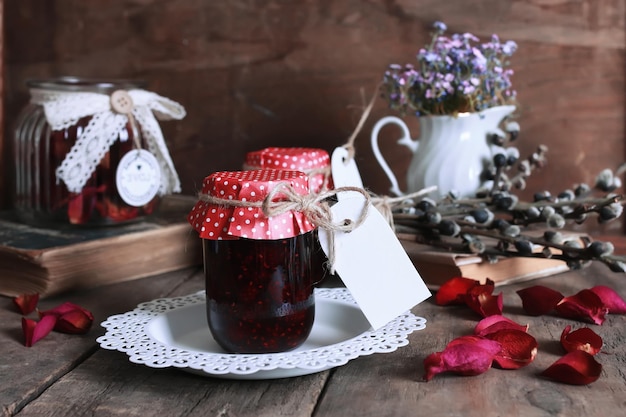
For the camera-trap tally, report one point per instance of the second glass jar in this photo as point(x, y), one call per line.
point(40, 198)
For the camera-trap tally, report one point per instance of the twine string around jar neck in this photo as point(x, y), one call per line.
point(314, 206)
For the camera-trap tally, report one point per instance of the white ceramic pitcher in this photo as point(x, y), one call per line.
point(451, 153)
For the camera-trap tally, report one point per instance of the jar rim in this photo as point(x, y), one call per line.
point(82, 84)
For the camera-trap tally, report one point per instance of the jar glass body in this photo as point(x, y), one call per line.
point(260, 292)
point(39, 197)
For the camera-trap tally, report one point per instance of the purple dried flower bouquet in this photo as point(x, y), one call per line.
point(453, 75)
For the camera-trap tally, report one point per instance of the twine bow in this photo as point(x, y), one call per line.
point(314, 206)
point(65, 109)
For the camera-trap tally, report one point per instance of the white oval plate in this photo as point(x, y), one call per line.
point(173, 332)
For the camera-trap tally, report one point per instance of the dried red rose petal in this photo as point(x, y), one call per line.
point(583, 339)
point(611, 299)
point(518, 348)
point(465, 355)
point(119, 212)
point(494, 323)
point(575, 368)
point(71, 318)
point(453, 291)
point(538, 300)
point(34, 331)
point(61, 309)
point(74, 322)
point(26, 303)
point(585, 305)
point(81, 206)
point(480, 299)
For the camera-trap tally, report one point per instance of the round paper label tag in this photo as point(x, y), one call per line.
point(138, 177)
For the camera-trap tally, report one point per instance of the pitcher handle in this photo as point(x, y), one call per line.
point(404, 140)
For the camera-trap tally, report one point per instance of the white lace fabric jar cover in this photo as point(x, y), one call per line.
point(92, 118)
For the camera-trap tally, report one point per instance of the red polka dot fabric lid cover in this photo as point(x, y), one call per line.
point(214, 221)
point(294, 159)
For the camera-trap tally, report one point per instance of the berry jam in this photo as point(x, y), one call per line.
point(260, 292)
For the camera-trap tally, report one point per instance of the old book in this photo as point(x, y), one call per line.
point(437, 266)
point(49, 261)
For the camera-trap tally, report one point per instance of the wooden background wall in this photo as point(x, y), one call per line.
point(263, 73)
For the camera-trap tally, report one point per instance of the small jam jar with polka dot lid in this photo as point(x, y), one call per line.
point(259, 269)
point(313, 162)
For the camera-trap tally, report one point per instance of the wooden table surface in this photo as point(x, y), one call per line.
point(69, 375)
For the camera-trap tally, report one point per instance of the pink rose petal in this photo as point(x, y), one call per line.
point(465, 355)
point(584, 305)
point(583, 339)
point(35, 331)
point(491, 324)
point(611, 299)
point(71, 318)
point(61, 309)
point(575, 368)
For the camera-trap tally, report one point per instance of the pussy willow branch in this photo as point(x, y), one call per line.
point(574, 256)
point(451, 224)
point(515, 215)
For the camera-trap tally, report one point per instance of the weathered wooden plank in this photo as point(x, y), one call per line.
point(105, 383)
point(108, 384)
point(26, 372)
point(390, 385)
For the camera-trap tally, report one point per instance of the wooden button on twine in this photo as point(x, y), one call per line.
point(121, 102)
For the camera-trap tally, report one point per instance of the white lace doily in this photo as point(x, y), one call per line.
point(172, 332)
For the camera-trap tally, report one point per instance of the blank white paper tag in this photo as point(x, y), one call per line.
point(372, 263)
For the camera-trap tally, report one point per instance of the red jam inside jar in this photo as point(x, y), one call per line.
point(260, 264)
point(314, 162)
point(260, 293)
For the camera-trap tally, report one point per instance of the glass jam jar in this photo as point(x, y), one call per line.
point(313, 162)
point(258, 269)
point(40, 197)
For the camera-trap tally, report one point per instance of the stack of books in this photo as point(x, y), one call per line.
point(52, 260)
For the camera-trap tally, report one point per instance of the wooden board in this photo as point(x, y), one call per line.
point(58, 353)
point(57, 258)
point(68, 375)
